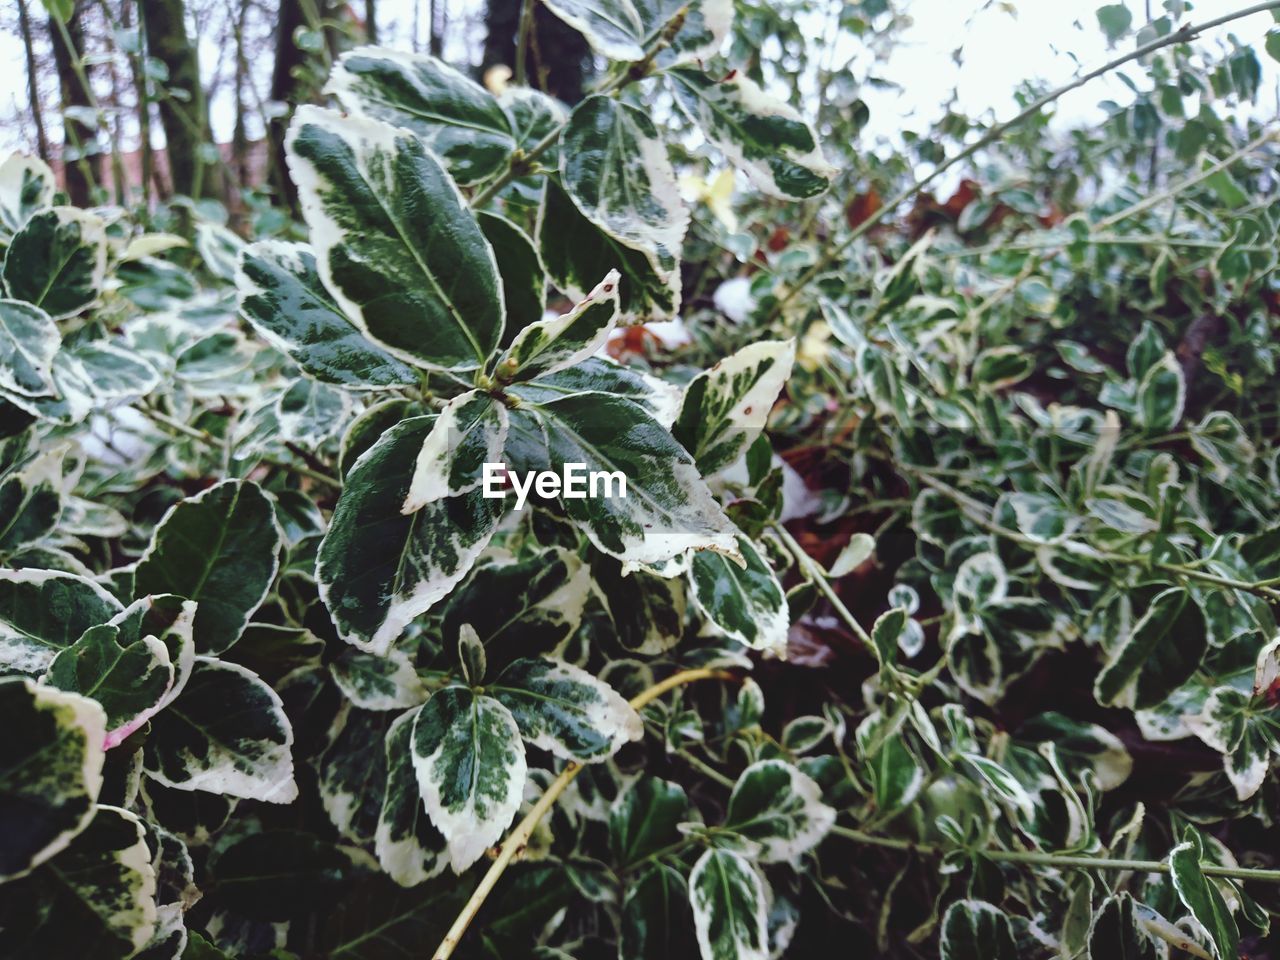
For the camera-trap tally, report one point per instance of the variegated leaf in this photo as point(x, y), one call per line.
point(725, 408)
point(599, 374)
point(27, 186)
point(28, 341)
point(521, 607)
point(351, 772)
point(524, 278)
point(468, 433)
point(57, 261)
point(94, 901)
point(555, 343)
point(394, 240)
point(219, 548)
point(197, 744)
point(744, 602)
point(577, 253)
point(471, 770)
point(976, 930)
point(383, 682)
point(630, 29)
point(565, 710)
point(1232, 723)
point(31, 502)
point(646, 820)
point(282, 296)
point(309, 413)
point(50, 772)
point(614, 166)
point(1157, 655)
point(91, 375)
point(42, 612)
point(781, 809)
point(667, 509)
point(761, 135)
point(378, 569)
point(729, 907)
point(1201, 897)
point(453, 115)
point(409, 847)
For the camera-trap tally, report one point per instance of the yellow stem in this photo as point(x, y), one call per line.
point(519, 837)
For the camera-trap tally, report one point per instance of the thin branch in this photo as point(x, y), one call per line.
point(1181, 35)
point(518, 838)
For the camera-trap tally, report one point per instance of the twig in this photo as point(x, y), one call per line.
point(1037, 858)
point(819, 578)
point(1181, 35)
point(519, 837)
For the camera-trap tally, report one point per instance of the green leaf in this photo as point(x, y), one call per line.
point(601, 375)
point(28, 341)
point(886, 633)
point(646, 820)
point(31, 502)
point(197, 744)
point(1118, 932)
point(615, 167)
point(1115, 19)
point(1242, 730)
point(310, 413)
point(1157, 655)
point(745, 603)
point(630, 29)
point(383, 682)
point(471, 770)
point(42, 612)
point(1162, 394)
point(395, 243)
point(577, 254)
point(667, 509)
point(781, 809)
point(759, 134)
point(219, 548)
point(278, 874)
point(128, 678)
point(546, 346)
point(409, 847)
point(282, 296)
point(565, 710)
point(455, 117)
point(468, 433)
point(729, 907)
point(521, 607)
point(524, 278)
point(471, 655)
point(1145, 351)
point(57, 261)
point(50, 772)
point(726, 408)
point(94, 901)
point(351, 772)
point(1201, 897)
point(975, 930)
point(26, 187)
point(91, 375)
point(378, 569)
point(655, 916)
point(999, 367)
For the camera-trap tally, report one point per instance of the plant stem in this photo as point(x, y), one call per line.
point(819, 577)
point(976, 510)
point(515, 842)
point(1037, 858)
point(1181, 35)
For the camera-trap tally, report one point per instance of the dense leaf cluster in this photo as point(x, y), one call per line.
point(273, 669)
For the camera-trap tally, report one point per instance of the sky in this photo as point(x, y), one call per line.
point(1004, 43)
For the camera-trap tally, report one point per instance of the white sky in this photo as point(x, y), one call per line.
point(1000, 50)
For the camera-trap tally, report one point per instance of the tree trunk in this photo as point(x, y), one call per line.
point(33, 89)
point(371, 20)
point(185, 117)
point(80, 156)
point(439, 24)
point(558, 54)
point(284, 89)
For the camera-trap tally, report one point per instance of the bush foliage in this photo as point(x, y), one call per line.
point(971, 653)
